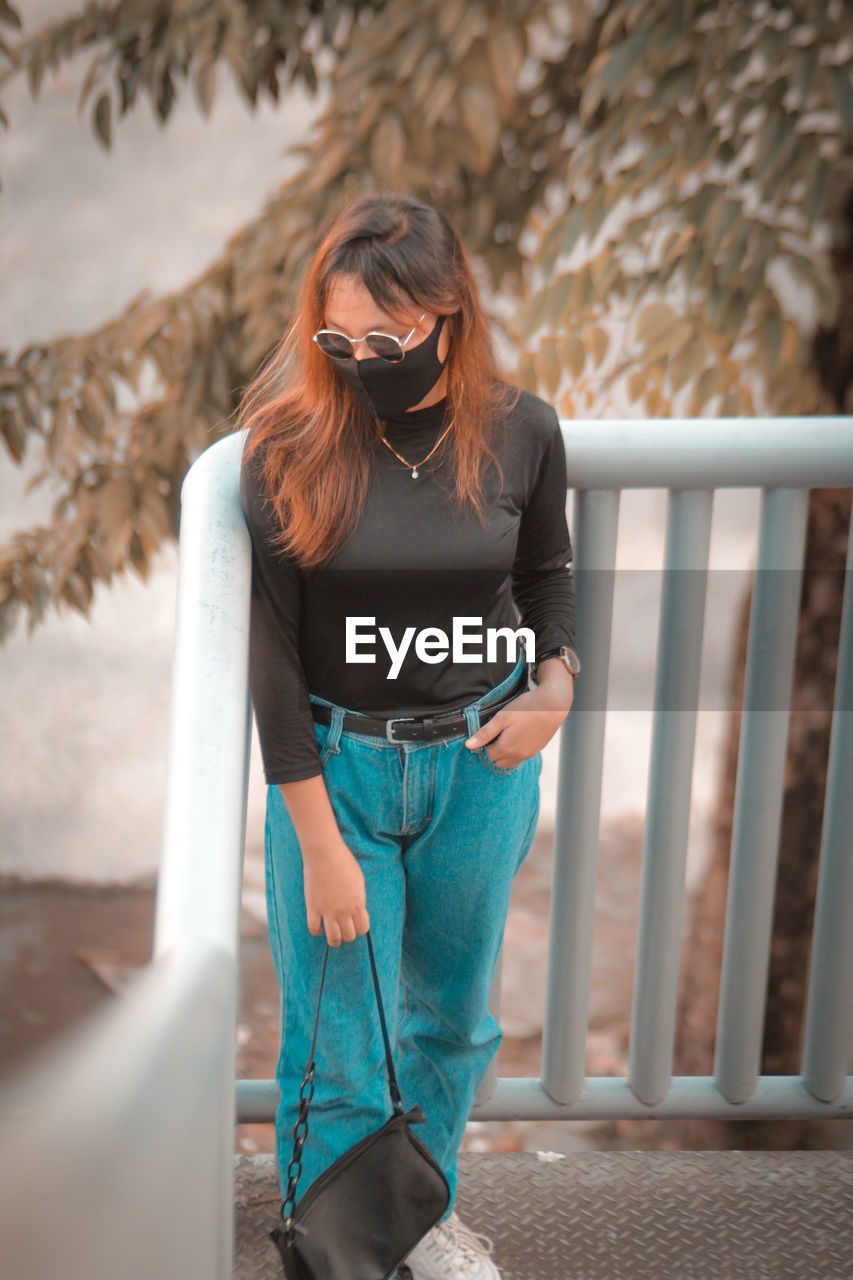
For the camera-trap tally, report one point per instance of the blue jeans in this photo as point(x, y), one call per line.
point(439, 832)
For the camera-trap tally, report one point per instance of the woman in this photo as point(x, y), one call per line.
point(400, 496)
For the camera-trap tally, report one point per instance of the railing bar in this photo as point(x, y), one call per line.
point(700, 453)
point(827, 1024)
point(579, 801)
point(611, 1098)
point(676, 698)
point(198, 886)
point(758, 790)
point(127, 1133)
point(608, 1098)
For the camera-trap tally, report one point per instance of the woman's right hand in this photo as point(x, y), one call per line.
point(334, 892)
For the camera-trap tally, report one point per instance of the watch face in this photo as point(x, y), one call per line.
point(571, 659)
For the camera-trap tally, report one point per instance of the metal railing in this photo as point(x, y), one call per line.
point(142, 1106)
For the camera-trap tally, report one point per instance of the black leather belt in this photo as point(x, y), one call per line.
point(414, 728)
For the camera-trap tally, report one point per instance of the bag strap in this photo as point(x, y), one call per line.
point(306, 1089)
point(396, 1100)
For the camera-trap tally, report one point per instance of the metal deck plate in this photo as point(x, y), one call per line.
point(632, 1215)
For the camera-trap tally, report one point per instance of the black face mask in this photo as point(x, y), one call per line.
point(388, 389)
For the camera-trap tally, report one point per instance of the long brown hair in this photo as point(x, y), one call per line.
point(315, 436)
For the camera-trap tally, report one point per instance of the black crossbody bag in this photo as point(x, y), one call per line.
point(361, 1217)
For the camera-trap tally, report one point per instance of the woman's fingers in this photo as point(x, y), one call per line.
point(361, 920)
point(315, 923)
point(487, 731)
point(344, 928)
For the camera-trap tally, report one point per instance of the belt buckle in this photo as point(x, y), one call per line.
point(389, 726)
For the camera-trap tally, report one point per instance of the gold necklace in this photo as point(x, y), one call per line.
point(415, 466)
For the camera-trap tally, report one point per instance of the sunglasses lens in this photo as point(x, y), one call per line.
point(385, 347)
point(334, 344)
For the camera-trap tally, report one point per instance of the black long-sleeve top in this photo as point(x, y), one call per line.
point(415, 559)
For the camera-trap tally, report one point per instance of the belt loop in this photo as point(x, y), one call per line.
point(472, 718)
point(337, 724)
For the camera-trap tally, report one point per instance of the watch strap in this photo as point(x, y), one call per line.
point(559, 653)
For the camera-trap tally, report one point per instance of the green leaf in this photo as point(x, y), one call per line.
point(13, 433)
point(693, 264)
point(636, 383)
point(413, 48)
point(652, 402)
point(595, 211)
point(461, 39)
point(741, 110)
point(562, 236)
point(388, 146)
point(698, 206)
point(806, 63)
point(773, 43)
point(686, 363)
point(655, 319)
point(506, 58)
point(103, 119)
point(707, 386)
point(772, 136)
point(770, 336)
point(603, 270)
point(583, 289)
point(482, 122)
point(735, 255)
point(623, 60)
point(423, 77)
point(36, 68)
point(734, 310)
point(676, 83)
point(9, 15)
point(205, 86)
point(738, 63)
point(668, 341)
point(722, 219)
point(531, 314)
point(599, 340)
point(841, 84)
point(675, 242)
point(442, 94)
point(572, 353)
point(558, 295)
point(166, 95)
point(138, 558)
point(93, 409)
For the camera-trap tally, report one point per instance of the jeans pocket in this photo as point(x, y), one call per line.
point(496, 768)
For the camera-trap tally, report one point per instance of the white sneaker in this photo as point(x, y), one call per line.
point(451, 1252)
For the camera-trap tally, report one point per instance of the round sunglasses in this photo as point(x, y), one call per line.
point(387, 346)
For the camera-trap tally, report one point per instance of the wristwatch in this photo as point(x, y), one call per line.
point(567, 656)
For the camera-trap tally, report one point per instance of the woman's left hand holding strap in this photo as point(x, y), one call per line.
point(529, 721)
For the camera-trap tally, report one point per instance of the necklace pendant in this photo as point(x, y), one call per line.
point(414, 473)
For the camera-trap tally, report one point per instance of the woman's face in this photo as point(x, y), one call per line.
point(351, 310)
